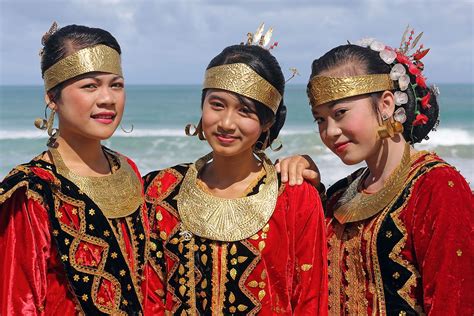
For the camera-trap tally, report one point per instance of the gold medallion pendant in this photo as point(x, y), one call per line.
point(117, 195)
point(224, 219)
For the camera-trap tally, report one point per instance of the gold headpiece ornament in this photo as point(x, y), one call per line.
point(95, 58)
point(326, 89)
point(243, 80)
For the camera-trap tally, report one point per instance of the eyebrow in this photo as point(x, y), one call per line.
point(213, 96)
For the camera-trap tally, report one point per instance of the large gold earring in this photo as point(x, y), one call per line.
point(197, 130)
point(41, 123)
point(52, 132)
point(389, 127)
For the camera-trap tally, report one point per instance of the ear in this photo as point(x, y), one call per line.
point(386, 104)
point(48, 99)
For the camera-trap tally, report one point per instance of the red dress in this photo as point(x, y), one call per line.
point(279, 270)
point(415, 256)
point(60, 255)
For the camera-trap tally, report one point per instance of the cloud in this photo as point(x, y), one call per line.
point(173, 41)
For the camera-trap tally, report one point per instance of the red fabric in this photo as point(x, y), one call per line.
point(33, 280)
point(439, 229)
point(296, 237)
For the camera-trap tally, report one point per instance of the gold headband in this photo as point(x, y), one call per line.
point(243, 80)
point(96, 58)
point(326, 89)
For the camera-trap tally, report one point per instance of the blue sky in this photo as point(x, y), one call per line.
point(171, 42)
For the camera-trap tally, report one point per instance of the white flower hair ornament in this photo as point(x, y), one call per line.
point(402, 66)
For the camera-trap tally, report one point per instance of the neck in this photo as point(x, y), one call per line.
point(225, 171)
point(84, 157)
point(384, 162)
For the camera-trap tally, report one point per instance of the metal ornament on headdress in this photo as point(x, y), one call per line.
point(326, 89)
point(100, 58)
point(243, 80)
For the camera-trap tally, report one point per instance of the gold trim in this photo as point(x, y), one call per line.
point(243, 80)
point(223, 219)
point(99, 58)
point(326, 89)
point(354, 206)
point(117, 195)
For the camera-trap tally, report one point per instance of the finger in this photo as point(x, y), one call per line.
point(284, 170)
point(312, 176)
point(300, 168)
point(277, 165)
point(292, 174)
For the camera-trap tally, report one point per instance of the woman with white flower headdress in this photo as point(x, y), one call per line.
point(399, 230)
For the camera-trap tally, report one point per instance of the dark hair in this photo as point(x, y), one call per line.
point(68, 40)
point(357, 60)
point(266, 65)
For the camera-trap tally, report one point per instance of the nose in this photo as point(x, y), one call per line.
point(106, 96)
point(332, 128)
point(227, 120)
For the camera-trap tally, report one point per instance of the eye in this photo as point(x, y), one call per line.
point(246, 110)
point(318, 120)
point(89, 86)
point(216, 104)
point(340, 112)
point(118, 85)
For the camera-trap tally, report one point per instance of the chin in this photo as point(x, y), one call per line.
point(350, 160)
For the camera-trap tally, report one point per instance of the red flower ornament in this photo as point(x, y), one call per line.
point(413, 69)
point(425, 100)
point(420, 119)
point(420, 81)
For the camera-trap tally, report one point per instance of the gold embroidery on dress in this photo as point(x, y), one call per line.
point(334, 269)
point(355, 275)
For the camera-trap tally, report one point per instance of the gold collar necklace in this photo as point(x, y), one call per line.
point(117, 195)
point(224, 219)
point(354, 206)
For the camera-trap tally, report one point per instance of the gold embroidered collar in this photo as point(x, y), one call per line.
point(355, 206)
point(224, 219)
point(117, 195)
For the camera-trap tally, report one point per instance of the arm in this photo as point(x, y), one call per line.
point(25, 247)
point(310, 279)
point(442, 236)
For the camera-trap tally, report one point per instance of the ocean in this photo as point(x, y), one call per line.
point(159, 114)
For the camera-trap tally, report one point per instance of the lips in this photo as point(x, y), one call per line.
point(225, 138)
point(340, 147)
point(104, 117)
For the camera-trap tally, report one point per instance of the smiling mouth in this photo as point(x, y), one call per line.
point(341, 146)
point(225, 138)
point(105, 118)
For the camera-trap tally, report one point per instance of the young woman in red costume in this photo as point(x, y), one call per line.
point(227, 236)
point(73, 227)
point(399, 230)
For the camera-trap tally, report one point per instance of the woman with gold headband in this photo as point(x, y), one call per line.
point(399, 230)
point(227, 237)
point(73, 227)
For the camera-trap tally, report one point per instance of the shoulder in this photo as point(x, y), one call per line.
point(159, 181)
point(34, 178)
point(302, 197)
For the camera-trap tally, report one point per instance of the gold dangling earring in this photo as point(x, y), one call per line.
point(279, 147)
point(41, 123)
point(52, 132)
point(385, 130)
point(197, 130)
